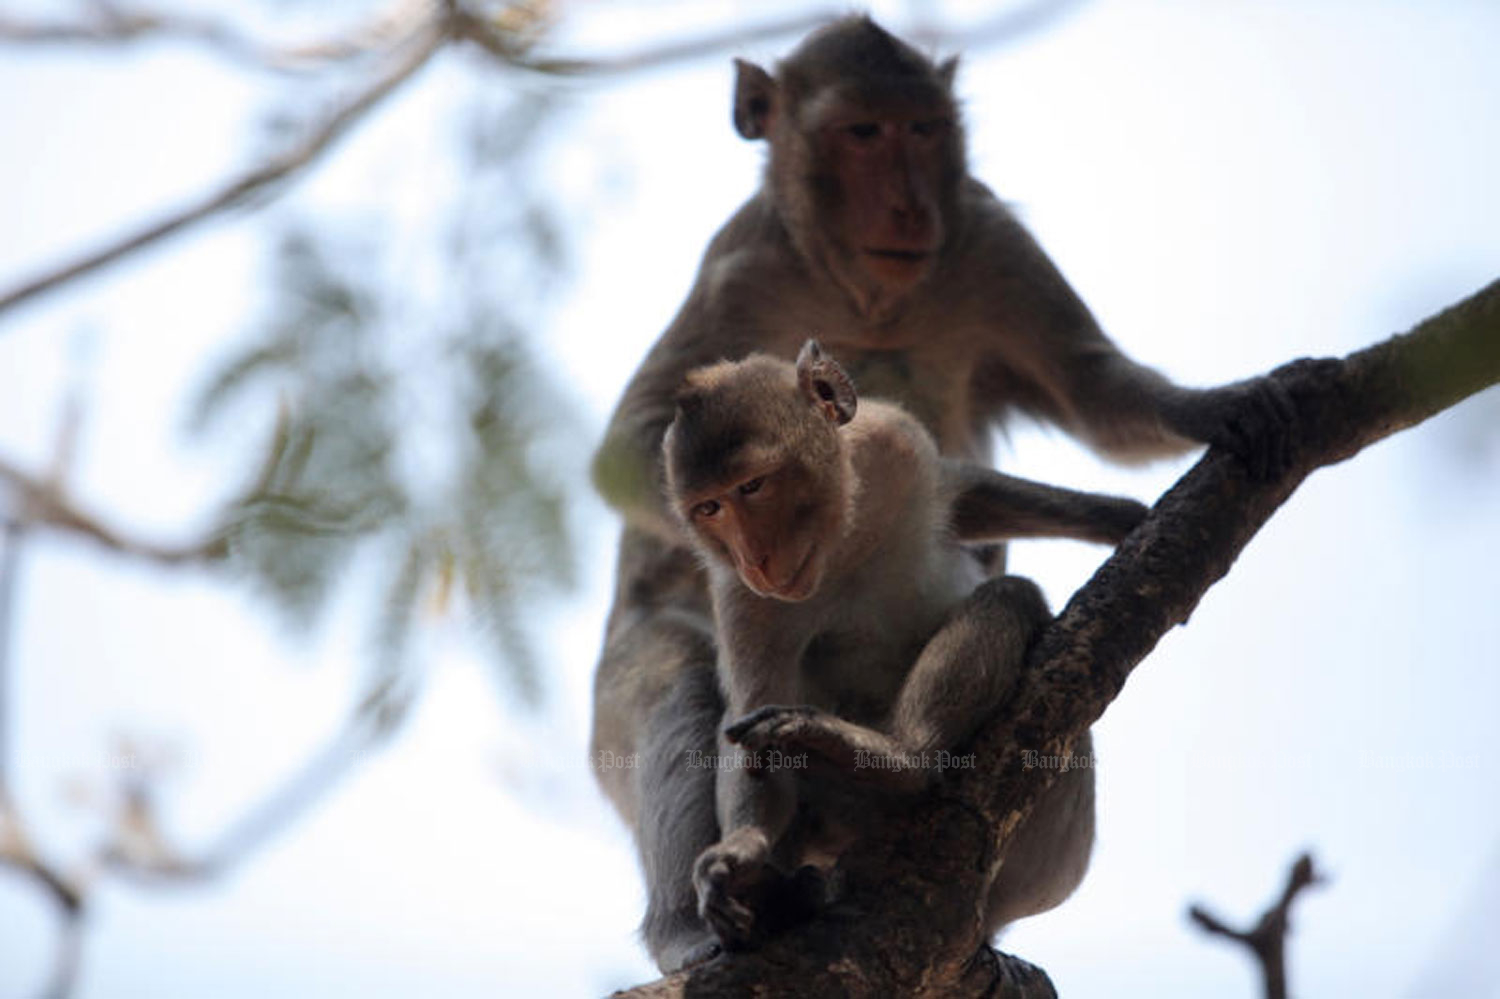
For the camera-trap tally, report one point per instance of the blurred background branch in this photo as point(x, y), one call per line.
point(1266, 940)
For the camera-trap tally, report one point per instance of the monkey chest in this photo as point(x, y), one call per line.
point(855, 664)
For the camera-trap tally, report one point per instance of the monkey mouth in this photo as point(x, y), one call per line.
point(800, 584)
point(897, 268)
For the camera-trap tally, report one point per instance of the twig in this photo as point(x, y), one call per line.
point(43, 504)
point(503, 46)
point(1267, 940)
point(417, 50)
point(113, 25)
point(17, 854)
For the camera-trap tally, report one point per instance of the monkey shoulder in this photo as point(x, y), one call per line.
point(887, 439)
point(992, 236)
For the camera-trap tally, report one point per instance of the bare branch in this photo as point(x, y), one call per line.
point(410, 57)
point(16, 853)
point(41, 503)
point(907, 922)
point(141, 850)
point(1267, 940)
point(107, 24)
point(510, 46)
point(509, 42)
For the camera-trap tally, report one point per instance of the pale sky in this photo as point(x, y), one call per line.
point(1229, 186)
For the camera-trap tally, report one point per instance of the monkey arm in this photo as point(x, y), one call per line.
point(990, 506)
point(1048, 355)
point(761, 645)
point(717, 322)
point(627, 466)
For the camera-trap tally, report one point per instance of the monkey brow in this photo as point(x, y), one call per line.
point(886, 97)
point(716, 468)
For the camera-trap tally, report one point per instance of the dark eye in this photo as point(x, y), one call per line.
point(863, 130)
point(753, 486)
point(707, 508)
point(930, 127)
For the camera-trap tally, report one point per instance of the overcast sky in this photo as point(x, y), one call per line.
point(1228, 186)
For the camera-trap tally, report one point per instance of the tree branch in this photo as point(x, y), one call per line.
point(110, 24)
point(510, 47)
point(17, 853)
point(42, 503)
point(410, 56)
point(426, 28)
point(1267, 940)
point(907, 922)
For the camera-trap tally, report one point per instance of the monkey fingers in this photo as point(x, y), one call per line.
point(859, 753)
point(1258, 426)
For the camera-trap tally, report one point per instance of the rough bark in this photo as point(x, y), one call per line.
point(907, 923)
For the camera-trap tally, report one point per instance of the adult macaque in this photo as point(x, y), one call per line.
point(869, 233)
point(832, 539)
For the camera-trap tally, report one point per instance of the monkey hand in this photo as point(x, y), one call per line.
point(1119, 516)
point(728, 876)
point(1253, 419)
point(859, 753)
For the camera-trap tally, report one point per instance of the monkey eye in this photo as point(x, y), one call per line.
point(707, 508)
point(929, 127)
point(753, 486)
point(864, 131)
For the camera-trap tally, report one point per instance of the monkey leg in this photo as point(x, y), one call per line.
point(656, 704)
point(963, 674)
point(969, 666)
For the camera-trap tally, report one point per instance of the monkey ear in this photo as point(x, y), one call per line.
point(948, 70)
point(754, 99)
point(824, 384)
point(689, 400)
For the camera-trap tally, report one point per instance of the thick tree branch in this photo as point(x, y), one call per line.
point(1266, 941)
point(907, 922)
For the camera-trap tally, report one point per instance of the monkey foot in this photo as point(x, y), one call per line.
point(728, 877)
point(860, 753)
point(700, 953)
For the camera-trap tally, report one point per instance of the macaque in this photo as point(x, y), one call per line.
point(869, 233)
point(831, 532)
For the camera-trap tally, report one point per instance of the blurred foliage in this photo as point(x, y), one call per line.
point(420, 445)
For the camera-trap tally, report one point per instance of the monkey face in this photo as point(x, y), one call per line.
point(774, 528)
point(888, 172)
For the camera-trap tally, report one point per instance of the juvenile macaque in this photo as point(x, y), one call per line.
point(869, 233)
point(832, 538)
